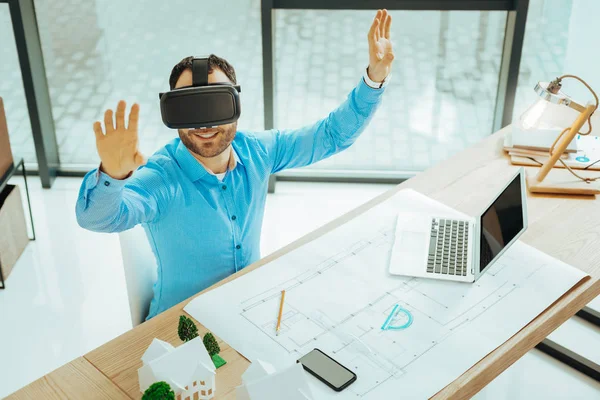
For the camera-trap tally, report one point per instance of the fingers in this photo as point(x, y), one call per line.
point(382, 19)
point(133, 118)
point(388, 26)
point(375, 27)
point(371, 34)
point(121, 115)
point(98, 130)
point(108, 121)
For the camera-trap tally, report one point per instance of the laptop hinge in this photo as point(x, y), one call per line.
point(475, 248)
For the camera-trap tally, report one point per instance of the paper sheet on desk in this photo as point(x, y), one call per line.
point(338, 294)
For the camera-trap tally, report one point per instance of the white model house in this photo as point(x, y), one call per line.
point(188, 369)
point(262, 382)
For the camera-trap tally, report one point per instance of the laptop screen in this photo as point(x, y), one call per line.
point(501, 222)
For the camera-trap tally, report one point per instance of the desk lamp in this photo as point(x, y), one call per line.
point(555, 108)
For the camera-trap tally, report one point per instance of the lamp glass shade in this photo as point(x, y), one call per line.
point(539, 126)
point(545, 116)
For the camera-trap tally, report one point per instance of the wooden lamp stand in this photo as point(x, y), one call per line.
point(561, 181)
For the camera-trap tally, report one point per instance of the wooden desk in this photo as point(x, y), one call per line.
point(76, 380)
point(566, 228)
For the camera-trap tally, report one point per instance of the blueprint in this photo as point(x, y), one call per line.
point(339, 296)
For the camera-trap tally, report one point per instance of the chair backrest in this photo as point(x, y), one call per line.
point(140, 267)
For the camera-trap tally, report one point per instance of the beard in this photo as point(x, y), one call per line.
point(212, 147)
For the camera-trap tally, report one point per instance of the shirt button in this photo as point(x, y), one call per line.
point(238, 247)
point(233, 218)
point(106, 183)
point(224, 187)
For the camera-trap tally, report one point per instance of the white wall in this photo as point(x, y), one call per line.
point(583, 51)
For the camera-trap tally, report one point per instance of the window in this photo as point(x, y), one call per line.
point(441, 96)
point(97, 52)
point(440, 100)
point(12, 92)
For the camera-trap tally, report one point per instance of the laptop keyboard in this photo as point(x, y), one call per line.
point(448, 247)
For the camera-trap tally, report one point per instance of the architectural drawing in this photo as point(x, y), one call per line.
point(339, 294)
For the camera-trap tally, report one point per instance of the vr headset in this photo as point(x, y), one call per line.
point(201, 105)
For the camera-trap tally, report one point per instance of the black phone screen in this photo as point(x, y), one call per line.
point(326, 369)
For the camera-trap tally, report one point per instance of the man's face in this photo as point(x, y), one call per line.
point(209, 142)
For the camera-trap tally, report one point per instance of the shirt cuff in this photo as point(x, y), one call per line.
point(373, 84)
point(96, 180)
point(105, 181)
point(367, 93)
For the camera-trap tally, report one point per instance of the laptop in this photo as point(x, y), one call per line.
point(432, 246)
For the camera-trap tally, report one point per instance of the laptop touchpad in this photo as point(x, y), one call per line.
point(408, 252)
point(411, 242)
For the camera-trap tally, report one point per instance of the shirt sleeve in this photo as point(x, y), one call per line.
point(338, 131)
point(111, 205)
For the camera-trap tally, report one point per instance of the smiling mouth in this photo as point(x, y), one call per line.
point(204, 133)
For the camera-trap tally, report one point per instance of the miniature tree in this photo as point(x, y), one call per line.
point(159, 391)
point(213, 349)
point(211, 344)
point(187, 329)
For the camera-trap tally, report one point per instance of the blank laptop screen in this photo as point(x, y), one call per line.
point(501, 222)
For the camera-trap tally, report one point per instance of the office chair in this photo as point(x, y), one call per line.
point(140, 267)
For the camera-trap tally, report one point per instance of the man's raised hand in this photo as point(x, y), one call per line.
point(381, 53)
point(118, 144)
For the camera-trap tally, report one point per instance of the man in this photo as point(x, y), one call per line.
point(201, 197)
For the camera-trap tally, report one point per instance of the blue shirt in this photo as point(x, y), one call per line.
point(202, 230)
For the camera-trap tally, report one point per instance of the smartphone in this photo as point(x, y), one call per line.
point(327, 370)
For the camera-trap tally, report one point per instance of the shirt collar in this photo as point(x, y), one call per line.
point(196, 170)
point(235, 159)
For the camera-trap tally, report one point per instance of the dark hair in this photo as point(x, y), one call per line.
point(213, 62)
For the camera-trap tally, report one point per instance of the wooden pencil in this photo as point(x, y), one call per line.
point(280, 313)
